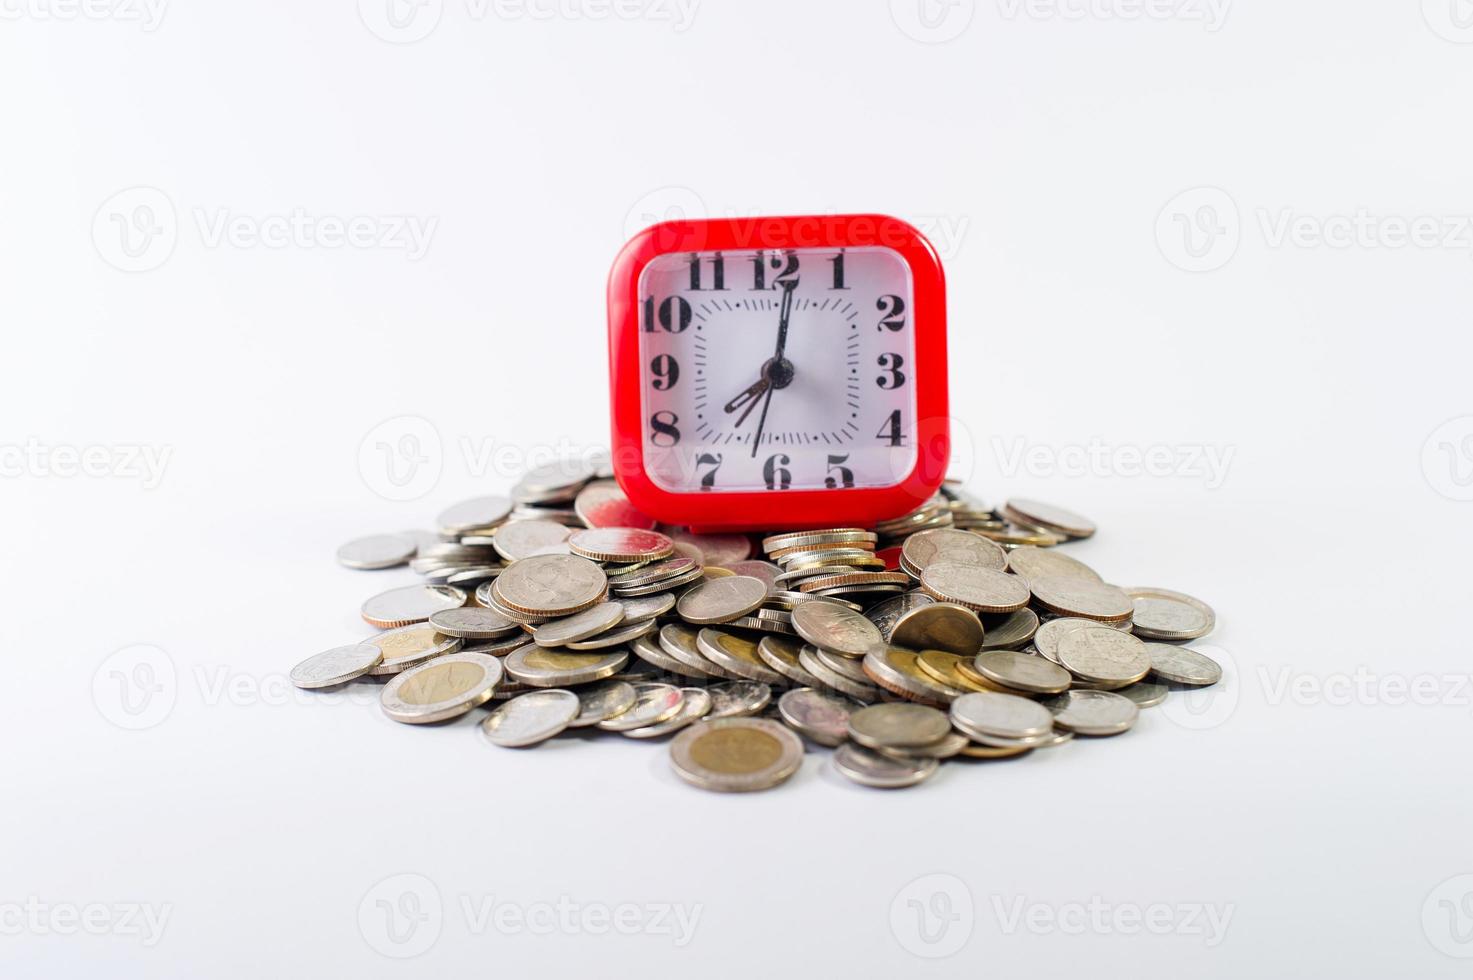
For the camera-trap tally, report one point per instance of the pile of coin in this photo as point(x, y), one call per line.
point(952, 632)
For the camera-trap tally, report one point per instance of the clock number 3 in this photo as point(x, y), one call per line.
point(891, 364)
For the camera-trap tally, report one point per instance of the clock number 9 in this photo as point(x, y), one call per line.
point(674, 314)
point(844, 477)
point(663, 424)
point(667, 371)
point(775, 472)
point(892, 312)
point(887, 362)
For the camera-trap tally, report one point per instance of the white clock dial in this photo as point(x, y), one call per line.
point(777, 369)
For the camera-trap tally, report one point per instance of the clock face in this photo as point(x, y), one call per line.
point(777, 369)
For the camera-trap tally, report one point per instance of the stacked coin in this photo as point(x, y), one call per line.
point(956, 631)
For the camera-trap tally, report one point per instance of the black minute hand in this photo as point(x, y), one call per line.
point(777, 367)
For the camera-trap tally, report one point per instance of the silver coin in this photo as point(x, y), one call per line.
point(764, 570)
point(498, 647)
point(736, 656)
point(637, 610)
point(950, 544)
point(472, 623)
point(781, 654)
point(870, 768)
point(808, 658)
point(680, 643)
point(1001, 715)
point(469, 578)
point(1033, 562)
point(1160, 614)
point(623, 633)
point(647, 573)
point(654, 588)
point(530, 718)
point(336, 666)
point(693, 707)
point(846, 666)
point(939, 626)
point(1093, 712)
point(446, 687)
point(551, 585)
point(579, 626)
point(820, 716)
point(1103, 656)
point(410, 646)
point(736, 755)
point(523, 539)
point(648, 649)
point(602, 504)
point(1145, 694)
point(1009, 631)
point(1069, 596)
point(898, 670)
point(738, 699)
point(377, 551)
point(716, 549)
point(410, 604)
point(833, 627)
point(1182, 665)
point(980, 589)
point(898, 726)
point(559, 479)
point(539, 667)
point(887, 613)
point(602, 701)
point(722, 599)
point(1052, 518)
point(653, 703)
point(1022, 671)
point(473, 515)
point(1046, 640)
point(950, 745)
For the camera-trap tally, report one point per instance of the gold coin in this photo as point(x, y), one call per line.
point(946, 668)
point(939, 626)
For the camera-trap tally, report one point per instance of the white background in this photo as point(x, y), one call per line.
point(1056, 152)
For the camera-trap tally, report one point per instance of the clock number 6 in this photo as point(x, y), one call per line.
point(775, 472)
point(887, 362)
point(892, 313)
point(667, 371)
point(844, 477)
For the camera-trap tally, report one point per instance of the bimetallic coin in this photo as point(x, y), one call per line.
point(887, 613)
point(1182, 665)
point(1093, 712)
point(603, 504)
point(550, 585)
point(979, 589)
point(818, 715)
point(579, 626)
point(624, 633)
point(1022, 672)
point(1009, 631)
point(834, 628)
point(410, 646)
point(446, 687)
point(735, 755)
point(538, 667)
point(939, 626)
point(336, 666)
point(620, 544)
point(870, 768)
point(1160, 614)
point(896, 670)
point(653, 703)
point(473, 515)
point(530, 718)
point(720, 600)
point(738, 699)
point(472, 623)
point(410, 604)
point(735, 655)
point(602, 701)
point(898, 726)
point(920, 550)
point(693, 707)
point(1048, 516)
point(515, 540)
point(1145, 694)
point(1104, 657)
point(377, 551)
point(1032, 562)
point(1006, 716)
point(781, 654)
point(1069, 596)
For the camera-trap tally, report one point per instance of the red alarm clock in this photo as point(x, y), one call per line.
point(776, 373)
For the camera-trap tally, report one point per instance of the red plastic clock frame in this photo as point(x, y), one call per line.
point(780, 509)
